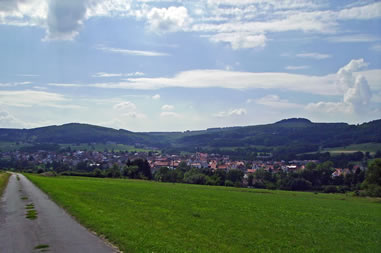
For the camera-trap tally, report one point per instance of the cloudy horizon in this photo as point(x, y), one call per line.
point(173, 65)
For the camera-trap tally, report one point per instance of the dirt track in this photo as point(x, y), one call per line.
point(52, 230)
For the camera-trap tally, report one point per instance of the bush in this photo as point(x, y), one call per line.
point(373, 190)
point(343, 189)
point(300, 184)
point(229, 183)
point(330, 189)
point(197, 178)
point(259, 184)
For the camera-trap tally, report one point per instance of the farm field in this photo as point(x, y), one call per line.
point(12, 146)
point(103, 147)
point(365, 147)
point(3, 181)
point(143, 216)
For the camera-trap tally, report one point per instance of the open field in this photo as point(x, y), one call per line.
point(365, 147)
point(103, 147)
point(12, 146)
point(142, 216)
point(3, 181)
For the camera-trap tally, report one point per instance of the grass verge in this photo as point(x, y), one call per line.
point(142, 216)
point(4, 177)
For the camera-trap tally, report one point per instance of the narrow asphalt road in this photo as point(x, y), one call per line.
point(52, 231)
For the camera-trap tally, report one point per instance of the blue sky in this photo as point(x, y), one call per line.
point(164, 65)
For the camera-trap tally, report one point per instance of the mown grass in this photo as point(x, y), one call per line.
point(141, 216)
point(3, 181)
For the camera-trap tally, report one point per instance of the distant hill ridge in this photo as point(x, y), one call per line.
point(291, 133)
point(294, 120)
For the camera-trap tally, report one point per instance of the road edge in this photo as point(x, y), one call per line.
point(100, 236)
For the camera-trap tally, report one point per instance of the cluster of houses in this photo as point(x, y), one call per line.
point(106, 159)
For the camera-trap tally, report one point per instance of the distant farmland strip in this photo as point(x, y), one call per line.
point(141, 216)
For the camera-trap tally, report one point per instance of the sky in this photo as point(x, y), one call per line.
point(176, 65)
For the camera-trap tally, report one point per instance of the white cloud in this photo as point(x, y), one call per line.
point(104, 74)
point(275, 101)
point(167, 107)
point(65, 18)
point(212, 78)
point(376, 48)
point(65, 84)
point(14, 84)
point(231, 112)
point(9, 121)
point(125, 106)
point(232, 80)
point(169, 19)
point(353, 38)
point(316, 56)
point(330, 107)
point(131, 52)
point(129, 109)
point(345, 79)
point(170, 114)
point(299, 67)
point(355, 90)
point(135, 115)
point(240, 40)
point(274, 4)
point(369, 11)
point(156, 97)
point(23, 12)
point(360, 94)
point(29, 98)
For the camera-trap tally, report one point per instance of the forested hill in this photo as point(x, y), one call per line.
point(295, 134)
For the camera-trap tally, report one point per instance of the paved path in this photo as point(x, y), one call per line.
point(52, 227)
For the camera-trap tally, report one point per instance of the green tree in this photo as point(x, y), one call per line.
point(234, 175)
point(372, 183)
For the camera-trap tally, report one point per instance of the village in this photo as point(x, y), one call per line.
point(90, 160)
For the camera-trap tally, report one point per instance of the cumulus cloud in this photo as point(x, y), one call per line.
point(359, 95)
point(129, 109)
point(224, 20)
point(355, 91)
point(125, 106)
point(169, 19)
point(156, 97)
point(167, 107)
point(65, 18)
point(345, 79)
point(231, 112)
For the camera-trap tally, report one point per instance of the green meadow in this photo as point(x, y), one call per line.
point(144, 216)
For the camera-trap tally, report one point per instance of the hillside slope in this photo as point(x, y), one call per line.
point(295, 134)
